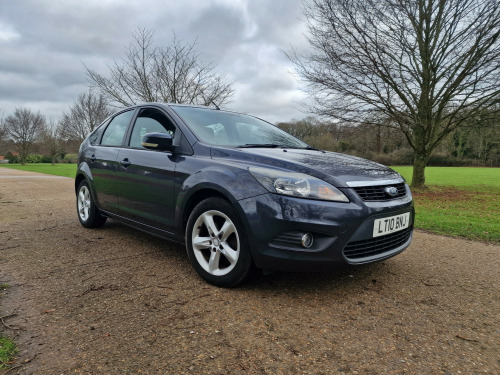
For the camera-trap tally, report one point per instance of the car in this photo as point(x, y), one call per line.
point(239, 192)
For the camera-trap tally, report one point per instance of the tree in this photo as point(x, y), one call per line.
point(24, 127)
point(51, 141)
point(422, 66)
point(172, 74)
point(3, 132)
point(301, 128)
point(88, 111)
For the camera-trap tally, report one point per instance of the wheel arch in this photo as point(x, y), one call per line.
point(197, 197)
point(78, 180)
point(83, 173)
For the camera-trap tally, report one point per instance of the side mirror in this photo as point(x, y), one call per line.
point(158, 141)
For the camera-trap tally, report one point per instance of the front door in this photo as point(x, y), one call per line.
point(145, 178)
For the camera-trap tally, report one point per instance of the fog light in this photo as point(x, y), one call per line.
point(307, 240)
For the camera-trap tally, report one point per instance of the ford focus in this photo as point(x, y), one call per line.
point(240, 193)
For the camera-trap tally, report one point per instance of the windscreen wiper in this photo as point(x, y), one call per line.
point(263, 145)
point(302, 148)
point(273, 145)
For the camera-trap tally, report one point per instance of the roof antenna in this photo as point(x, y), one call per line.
point(216, 106)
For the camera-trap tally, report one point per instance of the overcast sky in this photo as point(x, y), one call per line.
point(44, 45)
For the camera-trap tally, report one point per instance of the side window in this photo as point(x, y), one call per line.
point(150, 121)
point(113, 135)
point(95, 136)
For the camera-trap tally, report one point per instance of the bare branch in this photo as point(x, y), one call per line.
point(88, 111)
point(24, 128)
point(427, 65)
point(174, 73)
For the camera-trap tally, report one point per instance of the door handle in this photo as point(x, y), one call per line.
point(92, 158)
point(125, 162)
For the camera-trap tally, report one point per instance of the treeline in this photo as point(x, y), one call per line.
point(27, 136)
point(148, 72)
point(474, 145)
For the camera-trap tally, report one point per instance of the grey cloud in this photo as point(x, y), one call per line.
point(218, 29)
point(44, 64)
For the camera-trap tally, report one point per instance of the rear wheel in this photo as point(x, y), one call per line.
point(216, 243)
point(88, 214)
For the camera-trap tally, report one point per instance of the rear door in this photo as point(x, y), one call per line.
point(145, 177)
point(102, 160)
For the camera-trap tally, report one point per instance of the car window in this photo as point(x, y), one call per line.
point(251, 133)
point(95, 136)
point(233, 129)
point(113, 135)
point(150, 120)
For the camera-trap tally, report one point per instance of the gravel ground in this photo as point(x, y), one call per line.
point(117, 301)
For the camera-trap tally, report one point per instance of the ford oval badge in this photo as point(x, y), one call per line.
point(391, 191)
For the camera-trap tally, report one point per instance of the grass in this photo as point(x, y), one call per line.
point(59, 169)
point(469, 178)
point(8, 347)
point(7, 351)
point(462, 202)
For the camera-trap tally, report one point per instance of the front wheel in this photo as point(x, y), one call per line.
point(88, 214)
point(216, 243)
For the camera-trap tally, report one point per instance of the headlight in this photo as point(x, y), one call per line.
point(297, 185)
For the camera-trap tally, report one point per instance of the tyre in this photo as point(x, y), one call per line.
point(216, 243)
point(88, 214)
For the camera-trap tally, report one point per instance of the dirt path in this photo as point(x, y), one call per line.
point(116, 301)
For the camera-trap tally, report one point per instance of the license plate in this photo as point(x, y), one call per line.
point(390, 224)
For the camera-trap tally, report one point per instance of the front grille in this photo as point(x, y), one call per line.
point(377, 193)
point(377, 245)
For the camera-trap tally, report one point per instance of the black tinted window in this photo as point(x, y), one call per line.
point(113, 135)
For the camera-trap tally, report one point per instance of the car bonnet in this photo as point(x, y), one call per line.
point(338, 169)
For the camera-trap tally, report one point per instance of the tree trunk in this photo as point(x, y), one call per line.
point(419, 164)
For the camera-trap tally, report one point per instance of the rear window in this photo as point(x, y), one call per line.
point(115, 131)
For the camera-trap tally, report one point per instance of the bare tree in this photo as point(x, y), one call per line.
point(3, 132)
point(24, 127)
point(426, 65)
point(3, 136)
point(88, 111)
point(174, 74)
point(51, 141)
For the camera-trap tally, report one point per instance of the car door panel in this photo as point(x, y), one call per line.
point(145, 181)
point(145, 178)
point(102, 162)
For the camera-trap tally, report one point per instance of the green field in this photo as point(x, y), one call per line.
point(59, 169)
point(462, 202)
point(462, 177)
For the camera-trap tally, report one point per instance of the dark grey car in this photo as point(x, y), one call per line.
point(239, 192)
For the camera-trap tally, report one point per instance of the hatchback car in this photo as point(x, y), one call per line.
point(239, 192)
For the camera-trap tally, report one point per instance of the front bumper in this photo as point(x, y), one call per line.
point(275, 224)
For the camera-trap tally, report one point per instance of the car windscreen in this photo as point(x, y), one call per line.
point(234, 129)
